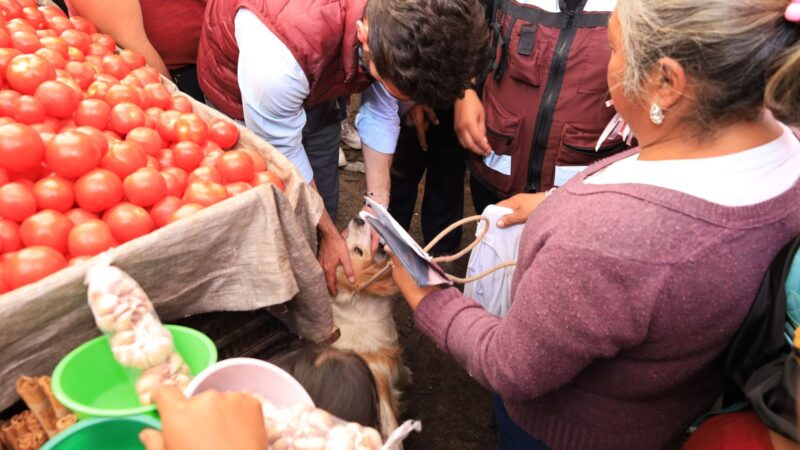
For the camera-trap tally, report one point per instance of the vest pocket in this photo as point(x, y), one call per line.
point(502, 126)
point(577, 145)
point(527, 58)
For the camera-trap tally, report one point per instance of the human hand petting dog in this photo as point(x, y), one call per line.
point(211, 420)
point(412, 292)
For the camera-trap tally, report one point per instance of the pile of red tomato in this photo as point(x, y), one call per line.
point(94, 149)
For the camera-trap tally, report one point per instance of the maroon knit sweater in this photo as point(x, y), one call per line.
point(623, 298)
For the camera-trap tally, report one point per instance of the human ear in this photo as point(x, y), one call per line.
point(362, 33)
point(669, 83)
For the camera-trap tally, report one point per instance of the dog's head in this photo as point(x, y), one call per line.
point(366, 264)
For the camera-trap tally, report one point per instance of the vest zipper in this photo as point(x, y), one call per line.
point(544, 120)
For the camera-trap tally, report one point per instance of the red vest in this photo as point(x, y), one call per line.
point(545, 95)
point(173, 27)
point(321, 34)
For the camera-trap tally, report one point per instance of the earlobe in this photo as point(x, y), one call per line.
point(670, 81)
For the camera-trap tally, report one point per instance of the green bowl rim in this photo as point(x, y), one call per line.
point(148, 421)
point(84, 410)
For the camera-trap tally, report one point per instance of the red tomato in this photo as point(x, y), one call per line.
point(145, 187)
point(267, 177)
point(4, 176)
point(166, 125)
point(177, 180)
point(72, 154)
point(77, 216)
point(187, 155)
point(10, 9)
point(9, 236)
point(181, 103)
point(77, 39)
point(33, 174)
point(105, 40)
point(16, 202)
point(116, 66)
point(152, 112)
point(153, 163)
point(21, 148)
point(120, 93)
point(82, 24)
point(6, 55)
point(236, 165)
point(166, 158)
point(158, 95)
point(90, 238)
point(125, 117)
point(55, 43)
point(32, 264)
point(223, 133)
point(56, 60)
point(161, 211)
point(81, 72)
point(34, 17)
point(50, 11)
point(112, 137)
point(132, 59)
point(79, 260)
point(93, 112)
point(128, 222)
point(28, 110)
point(98, 190)
point(98, 89)
point(205, 175)
point(3, 286)
point(124, 158)
point(258, 162)
point(26, 72)
point(7, 99)
point(53, 193)
point(211, 146)
point(237, 188)
point(59, 100)
point(45, 33)
point(99, 51)
point(59, 24)
point(73, 54)
point(190, 127)
point(25, 41)
point(97, 137)
point(132, 81)
point(205, 194)
point(47, 227)
point(147, 138)
point(212, 158)
point(19, 24)
point(183, 211)
point(147, 75)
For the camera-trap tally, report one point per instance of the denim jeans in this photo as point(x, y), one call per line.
point(510, 435)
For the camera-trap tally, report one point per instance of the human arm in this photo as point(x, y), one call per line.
point(378, 126)
point(211, 420)
point(470, 123)
point(570, 307)
point(274, 88)
point(421, 117)
point(122, 20)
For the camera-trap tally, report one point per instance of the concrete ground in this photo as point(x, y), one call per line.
point(455, 411)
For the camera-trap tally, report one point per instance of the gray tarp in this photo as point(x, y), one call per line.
point(248, 252)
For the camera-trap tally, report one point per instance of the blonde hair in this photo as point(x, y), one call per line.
point(741, 55)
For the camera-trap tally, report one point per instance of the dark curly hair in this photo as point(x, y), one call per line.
point(429, 49)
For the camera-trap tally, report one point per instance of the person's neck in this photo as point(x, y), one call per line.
point(678, 144)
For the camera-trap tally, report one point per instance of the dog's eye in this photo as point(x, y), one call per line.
point(358, 251)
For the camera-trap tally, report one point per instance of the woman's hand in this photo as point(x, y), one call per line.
point(421, 117)
point(523, 205)
point(212, 420)
point(411, 291)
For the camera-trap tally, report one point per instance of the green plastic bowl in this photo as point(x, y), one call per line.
point(118, 433)
point(91, 383)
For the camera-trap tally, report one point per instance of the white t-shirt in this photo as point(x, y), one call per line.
point(739, 179)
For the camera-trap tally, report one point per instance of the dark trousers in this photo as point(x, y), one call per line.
point(186, 79)
point(321, 137)
point(443, 200)
point(481, 195)
point(509, 434)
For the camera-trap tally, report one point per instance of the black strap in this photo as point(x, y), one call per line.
point(551, 19)
point(501, 66)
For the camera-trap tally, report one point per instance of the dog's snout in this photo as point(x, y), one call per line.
point(359, 221)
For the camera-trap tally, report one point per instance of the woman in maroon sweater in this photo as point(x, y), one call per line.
point(633, 277)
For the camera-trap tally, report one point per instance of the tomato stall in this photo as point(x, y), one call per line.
point(99, 154)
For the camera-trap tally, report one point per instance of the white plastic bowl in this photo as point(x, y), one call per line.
point(254, 376)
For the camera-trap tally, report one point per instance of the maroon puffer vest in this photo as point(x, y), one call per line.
point(321, 34)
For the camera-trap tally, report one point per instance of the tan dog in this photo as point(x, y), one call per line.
point(363, 314)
